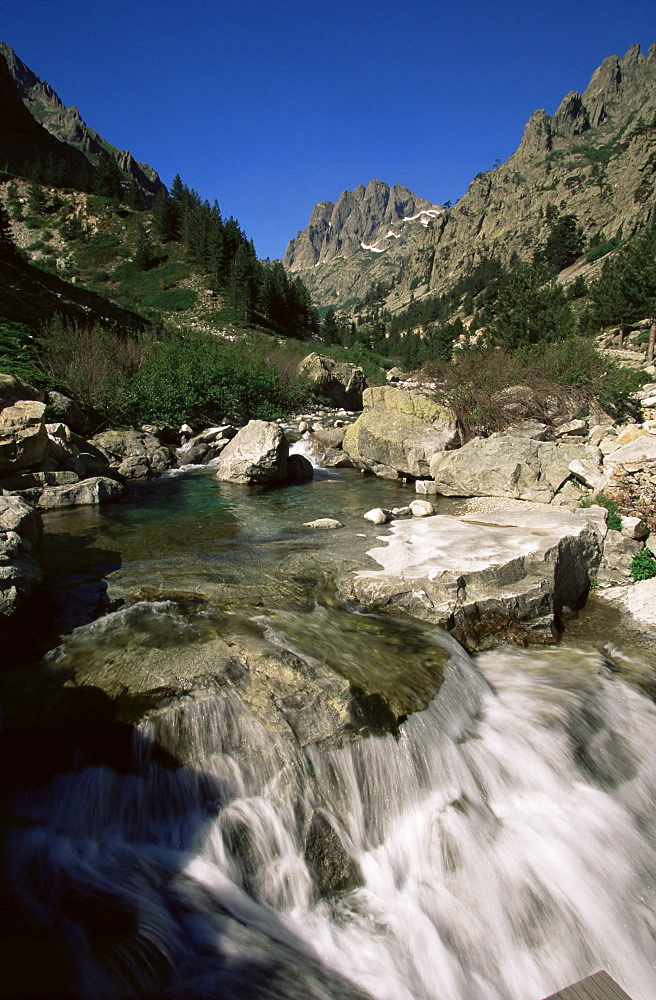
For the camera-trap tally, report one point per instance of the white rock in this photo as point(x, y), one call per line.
point(608, 444)
point(572, 427)
point(422, 508)
point(401, 511)
point(425, 486)
point(377, 515)
point(323, 522)
point(634, 527)
point(589, 474)
point(302, 427)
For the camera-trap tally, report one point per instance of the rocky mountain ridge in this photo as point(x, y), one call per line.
point(66, 125)
point(593, 158)
point(364, 218)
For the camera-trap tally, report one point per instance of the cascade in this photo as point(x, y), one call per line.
point(500, 844)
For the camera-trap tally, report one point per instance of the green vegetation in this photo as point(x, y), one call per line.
point(613, 520)
point(643, 565)
point(19, 351)
point(167, 377)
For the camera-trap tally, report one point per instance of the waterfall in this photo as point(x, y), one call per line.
point(499, 847)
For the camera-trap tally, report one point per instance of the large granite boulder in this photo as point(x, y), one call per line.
point(134, 454)
point(20, 573)
point(23, 437)
point(504, 465)
point(399, 432)
point(485, 576)
point(338, 381)
point(257, 454)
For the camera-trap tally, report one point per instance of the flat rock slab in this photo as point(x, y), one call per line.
point(484, 576)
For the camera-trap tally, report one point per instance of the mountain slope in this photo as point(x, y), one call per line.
point(68, 128)
point(22, 139)
point(595, 158)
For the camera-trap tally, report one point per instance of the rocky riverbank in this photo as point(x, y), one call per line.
point(515, 558)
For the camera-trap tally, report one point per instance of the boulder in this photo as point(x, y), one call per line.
point(340, 382)
point(20, 573)
point(377, 515)
point(257, 454)
point(421, 508)
point(13, 388)
point(333, 870)
point(61, 409)
point(134, 454)
point(640, 450)
point(507, 466)
point(74, 453)
point(99, 489)
point(23, 437)
point(299, 469)
point(399, 431)
point(484, 576)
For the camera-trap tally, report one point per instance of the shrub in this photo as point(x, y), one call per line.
point(94, 365)
point(643, 565)
point(201, 378)
point(170, 299)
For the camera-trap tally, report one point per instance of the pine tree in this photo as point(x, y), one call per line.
point(37, 202)
point(145, 254)
point(244, 279)
point(625, 291)
point(330, 330)
point(134, 198)
point(7, 247)
point(108, 180)
point(165, 216)
point(529, 308)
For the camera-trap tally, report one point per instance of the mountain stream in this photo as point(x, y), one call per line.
point(487, 833)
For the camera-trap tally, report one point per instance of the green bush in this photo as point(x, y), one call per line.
point(202, 378)
point(170, 299)
point(643, 565)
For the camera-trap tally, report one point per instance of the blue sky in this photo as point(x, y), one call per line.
point(272, 105)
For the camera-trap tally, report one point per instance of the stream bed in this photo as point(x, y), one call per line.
point(229, 783)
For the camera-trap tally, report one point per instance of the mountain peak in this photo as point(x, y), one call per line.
point(361, 219)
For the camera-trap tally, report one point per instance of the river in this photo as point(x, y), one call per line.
point(488, 833)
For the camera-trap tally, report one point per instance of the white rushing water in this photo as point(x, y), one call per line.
point(501, 847)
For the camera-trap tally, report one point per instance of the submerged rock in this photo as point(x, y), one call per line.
point(326, 523)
